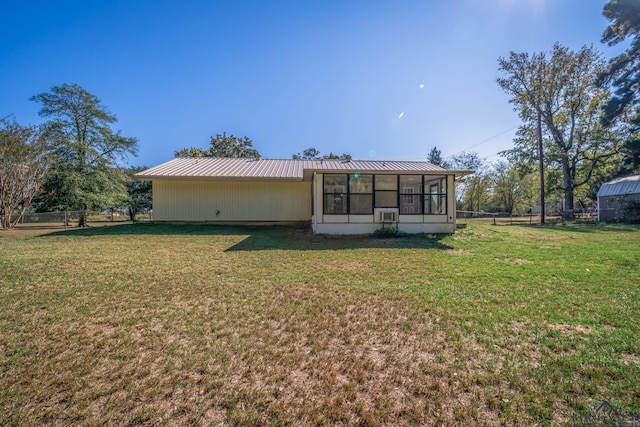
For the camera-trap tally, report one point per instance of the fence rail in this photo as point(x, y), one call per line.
point(506, 218)
point(64, 219)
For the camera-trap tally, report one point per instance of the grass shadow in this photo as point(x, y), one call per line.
point(260, 238)
point(587, 227)
point(569, 226)
point(304, 240)
point(150, 229)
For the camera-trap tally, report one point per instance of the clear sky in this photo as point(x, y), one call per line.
point(384, 80)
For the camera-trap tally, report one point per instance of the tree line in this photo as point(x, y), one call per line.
point(580, 127)
point(70, 162)
point(580, 124)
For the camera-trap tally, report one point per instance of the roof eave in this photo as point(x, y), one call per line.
point(213, 178)
point(462, 173)
point(385, 171)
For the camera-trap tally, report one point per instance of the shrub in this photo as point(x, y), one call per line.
point(632, 211)
point(386, 232)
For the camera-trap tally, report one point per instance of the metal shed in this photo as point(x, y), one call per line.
point(614, 198)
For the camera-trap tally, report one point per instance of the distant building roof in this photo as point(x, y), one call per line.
point(620, 186)
point(287, 169)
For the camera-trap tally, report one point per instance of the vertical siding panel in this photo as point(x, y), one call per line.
point(236, 200)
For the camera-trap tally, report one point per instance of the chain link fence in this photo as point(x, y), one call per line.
point(504, 218)
point(66, 219)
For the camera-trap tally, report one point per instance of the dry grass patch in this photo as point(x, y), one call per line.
point(217, 326)
point(570, 329)
point(514, 261)
point(457, 252)
point(631, 358)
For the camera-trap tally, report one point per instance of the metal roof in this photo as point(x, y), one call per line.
point(371, 165)
point(282, 169)
point(620, 186)
point(224, 167)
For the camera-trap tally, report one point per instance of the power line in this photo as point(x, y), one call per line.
point(422, 158)
point(486, 140)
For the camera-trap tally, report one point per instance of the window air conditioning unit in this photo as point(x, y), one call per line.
point(386, 215)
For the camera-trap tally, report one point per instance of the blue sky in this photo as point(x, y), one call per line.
point(384, 80)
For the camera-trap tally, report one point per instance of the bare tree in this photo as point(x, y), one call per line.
point(26, 160)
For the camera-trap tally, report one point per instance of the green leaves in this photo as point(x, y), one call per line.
point(560, 87)
point(313, 154)
point(435, 157)
point(87, 175)
point(623, 74)
point(139, 193)
point(222, 146)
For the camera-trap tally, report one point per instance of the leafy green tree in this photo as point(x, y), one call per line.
point(191, 152)
point(435, 157)
point(86, 175)
point(313, 154)
point(473, 192)
point(308, 154)
point(523, 158)
point(232, 146)
point(222, 146)
point(468, 161)
point(561, 89)
point(623, 73)
point(512, 192)
point(332, 156)
point(139, 193)
point(623, 70)
point(26, 158)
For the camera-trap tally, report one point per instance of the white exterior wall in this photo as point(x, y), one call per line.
point(364, 224)
point(354, 228)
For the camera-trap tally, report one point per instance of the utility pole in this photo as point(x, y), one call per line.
point(541, 168)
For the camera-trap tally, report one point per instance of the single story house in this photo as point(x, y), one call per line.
point(614, 198)
point(333, 196)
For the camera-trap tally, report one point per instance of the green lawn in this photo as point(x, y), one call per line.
point(153, 325)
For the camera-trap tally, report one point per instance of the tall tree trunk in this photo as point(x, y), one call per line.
point(541, 164)
point(82, 222)
point(567, 213)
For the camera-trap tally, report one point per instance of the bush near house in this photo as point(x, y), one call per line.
point(632, 211)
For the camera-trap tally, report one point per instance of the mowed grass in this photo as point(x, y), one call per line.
point(202, 325)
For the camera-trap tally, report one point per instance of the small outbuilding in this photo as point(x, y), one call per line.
point(616, 199)
point(333, 196)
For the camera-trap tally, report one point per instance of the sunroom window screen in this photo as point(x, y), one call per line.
point(335, 194)
point(386, 191)
point(410, 194)
point(435, 198)
point(360, 194)
point(356, 194)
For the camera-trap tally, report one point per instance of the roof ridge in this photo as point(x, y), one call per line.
point(295, 169)
point(301, 160)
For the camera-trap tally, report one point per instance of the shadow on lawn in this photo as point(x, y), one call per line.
point(260, 238)
point(586, 227)
point(559, 225)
